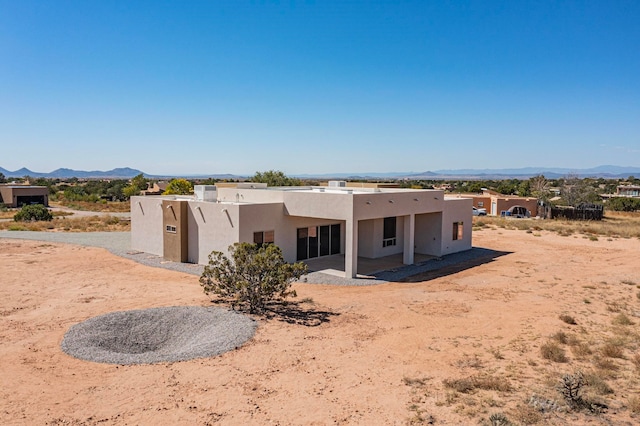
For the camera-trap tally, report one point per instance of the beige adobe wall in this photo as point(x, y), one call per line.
point(456, 210)
point(146, 225)
point(241, 195)
point(428, 234)
point(397, 203)
point(371, 234)
point(327, 205)
point(212, 226)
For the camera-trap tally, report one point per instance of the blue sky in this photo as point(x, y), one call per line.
point(213, 87)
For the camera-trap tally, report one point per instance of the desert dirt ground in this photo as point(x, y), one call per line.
point(386, 354)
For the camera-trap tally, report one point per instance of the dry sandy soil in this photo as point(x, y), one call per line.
point(386, 354)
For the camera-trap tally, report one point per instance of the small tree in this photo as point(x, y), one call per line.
point(275, 178)
point(254, 276)
point(32, 213)
point(178, 187)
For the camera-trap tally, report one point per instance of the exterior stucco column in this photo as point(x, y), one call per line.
point(409, 239)
point(351, 249)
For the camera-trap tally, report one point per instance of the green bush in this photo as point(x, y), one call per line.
point(623, 204)
point(32, 213)
point(254, 276)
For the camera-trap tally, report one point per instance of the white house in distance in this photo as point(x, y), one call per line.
point(305, 222)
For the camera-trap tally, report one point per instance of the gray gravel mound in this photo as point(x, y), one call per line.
point(149, 336)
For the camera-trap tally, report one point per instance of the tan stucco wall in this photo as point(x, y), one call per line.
point(146, 225)
point(456, 210)
point(212, 226)
point(428, 235)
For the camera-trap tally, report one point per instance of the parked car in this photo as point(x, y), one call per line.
point(479, 212)
point(516, 211)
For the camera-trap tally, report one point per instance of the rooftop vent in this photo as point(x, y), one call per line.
point(337, 183)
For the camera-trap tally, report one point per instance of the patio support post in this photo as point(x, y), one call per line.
point(409, 239)
point(351, 249)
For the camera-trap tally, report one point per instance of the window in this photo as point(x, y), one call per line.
point(263, 238)
point(171, 228)
point(457, 230)
point(480, 203)
point(389, 233)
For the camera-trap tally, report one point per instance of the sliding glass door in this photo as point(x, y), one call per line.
point(315, 241)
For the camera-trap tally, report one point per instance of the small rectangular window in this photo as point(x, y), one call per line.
point(480, 203)
point(263, 237)
point(258, 238)
point(171, 228)
point(458, 227)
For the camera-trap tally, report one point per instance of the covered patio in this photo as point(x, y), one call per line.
point(334, 265)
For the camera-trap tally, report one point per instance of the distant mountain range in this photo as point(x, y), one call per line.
point(609, 172)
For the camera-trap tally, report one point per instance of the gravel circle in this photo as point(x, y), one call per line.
point(149, 336)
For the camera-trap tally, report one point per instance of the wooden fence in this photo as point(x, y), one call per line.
point(582, 212)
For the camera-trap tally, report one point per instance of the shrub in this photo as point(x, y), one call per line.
point(622, 319)
point(33, 213)
point(467, 384)
point(499, 419)
point(568, 319)
point(553, 352)
point(254, 276)
point(561, 337)
point(612, 350)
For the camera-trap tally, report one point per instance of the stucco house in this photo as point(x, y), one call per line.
point(305, 222)
point(496, 203)
point(13, 195)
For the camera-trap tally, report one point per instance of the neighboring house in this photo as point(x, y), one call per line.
point(632, 191)
point(155, 188)
point(496, 203)
point(305, 222)
point(13, 195)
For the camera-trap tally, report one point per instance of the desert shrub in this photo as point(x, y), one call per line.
point(633, 403)
point(604, 363)
point(526, 415)
point(581, 350)
point(254, 276)
point(596, 382)
point(561, 337)
point(33, 213)
point(499, 419)
point(612, 350)
point(568, 319)
point(571, 388)
point(553, 352)
point(468, 384)
point(622, 319)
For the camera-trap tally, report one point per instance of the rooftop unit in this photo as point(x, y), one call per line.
point(205, 192)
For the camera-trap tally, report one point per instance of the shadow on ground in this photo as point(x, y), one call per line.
point(470, 259)
point(293, 312)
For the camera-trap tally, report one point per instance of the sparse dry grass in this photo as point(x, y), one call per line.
point(614, 224)
point(71, 224)
point(484, 382)
point(99, 206)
